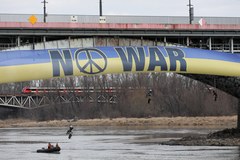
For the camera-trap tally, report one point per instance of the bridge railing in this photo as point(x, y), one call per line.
point(119, 19)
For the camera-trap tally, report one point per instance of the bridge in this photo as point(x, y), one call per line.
point(218, 33)
point(42, 99)
point(221, 34)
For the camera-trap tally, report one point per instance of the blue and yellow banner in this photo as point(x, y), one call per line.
point(16, 66)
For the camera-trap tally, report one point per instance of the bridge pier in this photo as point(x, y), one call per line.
point(231, 45)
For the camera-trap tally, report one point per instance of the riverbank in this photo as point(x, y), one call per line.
point(226, 137)
point(164, 122)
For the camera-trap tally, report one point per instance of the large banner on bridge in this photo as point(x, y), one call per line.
point(18, 66)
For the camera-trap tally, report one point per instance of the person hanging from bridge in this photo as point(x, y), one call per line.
point(214, 92)
point(69, 132)
point(149, 96)
point(215, 95)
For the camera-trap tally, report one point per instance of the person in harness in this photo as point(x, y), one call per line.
point(69, 132)
point(215, 95)
point(149, 96)
point(213, 92)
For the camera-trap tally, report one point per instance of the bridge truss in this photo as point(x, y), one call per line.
point(24, 101)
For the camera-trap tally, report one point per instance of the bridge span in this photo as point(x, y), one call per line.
point(218, 33)
point(37, 100)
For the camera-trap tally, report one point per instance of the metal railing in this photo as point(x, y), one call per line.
point(119, 19)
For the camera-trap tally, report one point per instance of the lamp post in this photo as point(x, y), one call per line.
point(102, 19)
point(190, 12)
point(100, 8)
point(44, 11)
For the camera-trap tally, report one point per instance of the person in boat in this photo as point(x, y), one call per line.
point(57, 146)
point(50, 149)
point(69, 132)
point(50, 146)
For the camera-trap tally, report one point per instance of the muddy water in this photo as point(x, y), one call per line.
point(107, 143)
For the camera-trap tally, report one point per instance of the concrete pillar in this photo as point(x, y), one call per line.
point(106, 42)
point(18, 41)
point(188, 41)
point(210, 43)
point(231, 45)
point(165, 41)
point(69, 42)
point(118, 41)
point(33, 43)
point(94, 41)
point(156, 42)
point(44, 42)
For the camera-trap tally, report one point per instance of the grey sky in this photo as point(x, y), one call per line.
point(219, 8)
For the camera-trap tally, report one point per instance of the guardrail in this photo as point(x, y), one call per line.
point(118, 19)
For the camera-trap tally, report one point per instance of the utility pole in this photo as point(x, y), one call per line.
point(191, 16)
point(44, 11)
point(100, 8)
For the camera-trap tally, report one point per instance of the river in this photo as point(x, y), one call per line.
point(107, 143)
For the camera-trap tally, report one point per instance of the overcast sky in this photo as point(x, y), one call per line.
point(219, 8)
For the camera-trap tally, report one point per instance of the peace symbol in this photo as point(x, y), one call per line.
point(91, 66)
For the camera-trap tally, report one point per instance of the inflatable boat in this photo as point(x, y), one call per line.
point(51, 150)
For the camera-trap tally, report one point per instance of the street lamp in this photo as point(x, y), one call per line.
point(191, 16)
point(102, 19)
point(100, 7)
point(44, 11)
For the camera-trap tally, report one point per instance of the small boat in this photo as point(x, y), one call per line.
point(49, 150)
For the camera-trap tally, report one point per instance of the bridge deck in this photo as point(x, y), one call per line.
point(219, 33)
point(106, 26)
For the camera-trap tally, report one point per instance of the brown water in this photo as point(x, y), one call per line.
point(107, 143)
